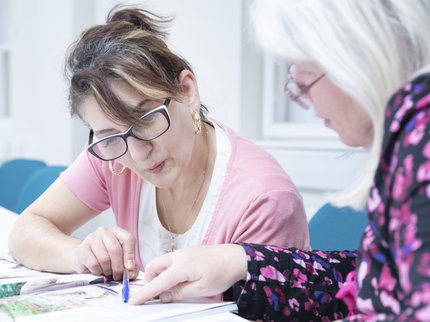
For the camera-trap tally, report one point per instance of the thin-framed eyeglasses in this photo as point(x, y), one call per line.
point(299, 94)
point(152, 125)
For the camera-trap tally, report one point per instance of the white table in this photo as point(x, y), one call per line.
point(7, 220)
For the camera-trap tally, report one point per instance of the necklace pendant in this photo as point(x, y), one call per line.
point(172, 245)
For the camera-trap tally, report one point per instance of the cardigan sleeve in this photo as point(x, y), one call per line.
point(276, 218)
point(288, 284)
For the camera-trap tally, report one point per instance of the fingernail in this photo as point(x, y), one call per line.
point(130, 264)
point(166, 297)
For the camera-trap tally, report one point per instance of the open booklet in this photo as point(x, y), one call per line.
point(28, 296)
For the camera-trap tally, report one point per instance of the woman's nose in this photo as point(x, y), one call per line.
point(139, 150)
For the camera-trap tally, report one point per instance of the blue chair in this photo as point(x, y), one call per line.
point(13, 174)
point(36, 184)
point(334, 228)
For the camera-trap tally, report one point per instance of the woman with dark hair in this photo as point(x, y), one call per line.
point(173, 176)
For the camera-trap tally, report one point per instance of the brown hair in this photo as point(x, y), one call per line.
point(130, 48)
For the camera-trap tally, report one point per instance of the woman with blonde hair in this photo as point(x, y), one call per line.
point(364, 67)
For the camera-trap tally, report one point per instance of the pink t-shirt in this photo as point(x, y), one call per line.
point(258, 202)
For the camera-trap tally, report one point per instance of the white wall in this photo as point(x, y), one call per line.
point(41, 31)
point(208, 34)
point(205, 32)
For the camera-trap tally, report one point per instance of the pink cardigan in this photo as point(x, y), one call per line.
point(258, 202)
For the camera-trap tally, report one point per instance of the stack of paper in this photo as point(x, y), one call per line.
point(23, 298)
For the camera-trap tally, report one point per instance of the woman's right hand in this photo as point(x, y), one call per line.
point(107, 251)
point(200, 271)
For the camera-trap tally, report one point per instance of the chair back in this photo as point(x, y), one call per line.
point(335, 228)
point(36, 184)
point(13, 174)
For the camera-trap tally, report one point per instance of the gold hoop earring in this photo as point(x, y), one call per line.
point(112, 170)
point(197, 123)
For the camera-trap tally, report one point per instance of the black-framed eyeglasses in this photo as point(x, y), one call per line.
point(299, 94)
point(152, 125)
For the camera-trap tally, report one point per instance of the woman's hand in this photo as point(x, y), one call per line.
point(107, 251)
point(192, 272)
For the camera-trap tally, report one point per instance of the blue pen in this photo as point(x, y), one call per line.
point(125, 286)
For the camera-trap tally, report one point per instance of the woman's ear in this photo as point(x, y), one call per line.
point(190, 89)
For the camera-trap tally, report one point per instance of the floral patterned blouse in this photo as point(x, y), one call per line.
point(392, 266)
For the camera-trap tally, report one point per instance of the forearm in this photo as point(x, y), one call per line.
point(290, 284)
point(37, 243)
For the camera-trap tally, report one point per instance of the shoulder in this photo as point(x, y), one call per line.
point(247, 154)
point(412, 97)
point(406, 145)
point(407, 113)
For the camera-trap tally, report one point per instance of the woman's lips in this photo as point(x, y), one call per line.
point(157, 168)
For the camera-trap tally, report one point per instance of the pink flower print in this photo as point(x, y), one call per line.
point(407, 104)
point(423, 313)
point(411, 243)
point(415, 136)
point(259, 257)
point(294, 304)
point(317, 267)
point(300, 278)
point(362, 272)
point(300, 262)
point(272, 273)
point(388, 301)
point(394, 126)
point(424, 265)
point(303, 254)
point(425, 101)
point(348, 293)
point(426, 150)
point(404, 268)
point(368, 238)
point(423, 173)
point(321, 254)
point(269, 294)
point(366, 306)
point(374, 200)
point(275, 249)
point(421, 296)
point(408, 164)
point(386, 280)
point(407, 87)
point(399, 186)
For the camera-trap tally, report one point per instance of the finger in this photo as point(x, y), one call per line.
point(156, 267)
point(115, 266)
point(189, 290)
point(128, 244)
point(101, 245)
point(89, 254)
point(162, 283)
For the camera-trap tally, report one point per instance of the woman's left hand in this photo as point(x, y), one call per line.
point(200, 271)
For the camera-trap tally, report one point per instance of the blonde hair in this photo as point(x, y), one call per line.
point(368, 48)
